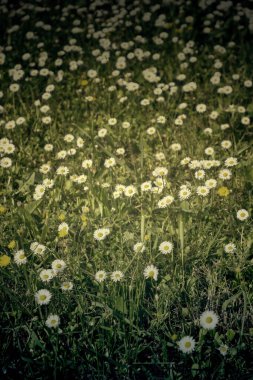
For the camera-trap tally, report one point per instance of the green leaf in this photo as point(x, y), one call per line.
point(44, 230)
point(230, 334)
point(167, 278)
point(250, 108)
point(230, 300)
point(195, 369)
point(34, 341)
point(249, 174)
point(218, 338)
point(68, 185)
point(24, 186)
point(26, 215)
point(120, 304)
point(31, 207)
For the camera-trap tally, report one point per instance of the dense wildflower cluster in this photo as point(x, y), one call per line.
point(126, 163)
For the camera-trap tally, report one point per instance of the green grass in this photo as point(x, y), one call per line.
point(128, 329)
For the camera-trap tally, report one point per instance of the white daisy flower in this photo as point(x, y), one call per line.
point(187, 344)
point(58, 265)
point(130, 190)
point(165, 201)
point(166, 247)
point(230, 248)
point(67, 286)
point(208, 320)
point(86, 164)
point(110, 162)
point(231, 161)
point(184, 194)
point(211, 183)
point(101, 233)
point(100, 276)
point(242, 214)
point(203, 191)
point(151, 272)
point(39, 249)
point(20, 257)
point(146, 186)
point(223, 349)
point(225, 174)
point(62, 170)
point(46, 275)
point(5, 162)
point(117, 276)
point(53, 321)
point(43, 296)
point(139, 247)
point(33, 246)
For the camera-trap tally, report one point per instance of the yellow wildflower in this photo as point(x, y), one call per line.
point(84, 82)
point(223, 191)
point(3, 209)
point(61, 217)
point(85, 209)
point(4, 260)
point(168, 25)
point(84, 219)
point(63, 230)
point(12, 244)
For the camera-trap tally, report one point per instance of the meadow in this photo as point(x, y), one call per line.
point(126, 190)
